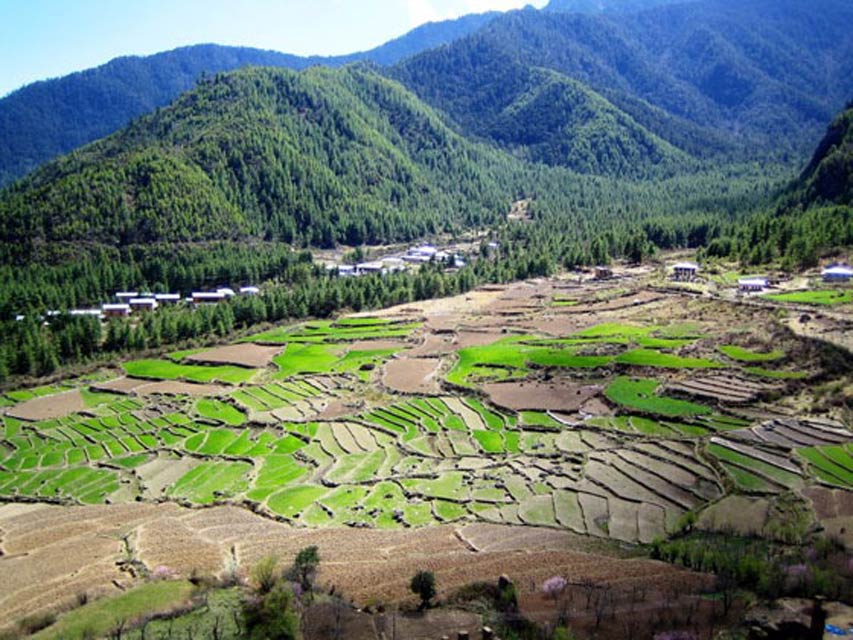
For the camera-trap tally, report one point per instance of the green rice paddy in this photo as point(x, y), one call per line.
point(820, 297)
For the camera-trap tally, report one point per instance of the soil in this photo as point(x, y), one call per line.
point(252, 356)
point(48, 407)
point(556, 395)
point(412, 375)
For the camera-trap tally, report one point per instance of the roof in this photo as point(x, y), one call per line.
point(370, 266)
point(127, 294)
point(838, 270)
point(209, 295)
point(143, 301)
point(692, 266)
point(116, 307)
point(167, 296)
point(754, 282)
point(84, 312)
point(226, 291)
point(249, 290)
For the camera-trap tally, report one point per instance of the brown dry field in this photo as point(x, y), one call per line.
point(138, 386)
point(555, 395)
point(378, 345)
point(834, 508)
point(412, 375)
point(252, 356)
point(433, 345)
point(48, 407)
point(50, 553)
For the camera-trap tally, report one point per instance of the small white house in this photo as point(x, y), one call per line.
point(837, 273)
point(685, 271)
point(752, 285)
point(207, 297)
point(96, 313)
point(124, 296)
point(143, 304)
point(365, 268)
point(249, 291)
point(167, 298)
point(121, 310)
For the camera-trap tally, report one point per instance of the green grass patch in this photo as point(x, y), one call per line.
point(640, 394)
point(291, 501)
point(218, 410)
point(832, 464)
point(652, 358)
point(96, 619)
point(745, 355)
point(489, 441)
point(821, 297)
point(212, 481)
point(166, 370)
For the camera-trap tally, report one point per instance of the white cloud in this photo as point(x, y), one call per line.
point(481, 6)
point(421, 11)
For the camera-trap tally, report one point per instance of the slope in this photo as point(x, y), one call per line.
point(715, 78)
point(46, 119)
point(314, 156)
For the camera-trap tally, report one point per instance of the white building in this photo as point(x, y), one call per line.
point(365, 268)
point(685, 271)
point(143, 304)
point(752, 285)
point(226, 292)
point(207, 297)
point(837, 273)
point(97, 313)
point(121, 310)
point(127, 295)
point(249, 291)
point(167, 298)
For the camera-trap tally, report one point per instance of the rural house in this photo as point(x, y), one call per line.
point(685, 271)
point(207, 297)
point(752, 285)
point(120, 310)
point(837, 273)
point(143, 304)
point(167, 298)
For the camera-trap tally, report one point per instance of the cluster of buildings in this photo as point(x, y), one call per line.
point(398, 262)
point(128, 302)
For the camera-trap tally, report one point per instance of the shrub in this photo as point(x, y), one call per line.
point(423, 585)
point(264, 574)
point(35, 623)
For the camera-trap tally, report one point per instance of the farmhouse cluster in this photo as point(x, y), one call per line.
point(129, 302)
point(422, 254)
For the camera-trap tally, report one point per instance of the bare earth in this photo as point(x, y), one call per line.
point(48, 407)
point(137, 386)
point(555, 395)
point(252, 356)
point(412, 375)
point(50, 553)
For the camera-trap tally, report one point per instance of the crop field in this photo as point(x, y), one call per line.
point(824, 297)
point(614, 423)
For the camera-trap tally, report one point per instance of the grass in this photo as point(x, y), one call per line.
point(212, 481)
point(652, 358)
point(166, 370)
point(745, 355)
point(218, 410)
point(786, 478)
point(344, 330)
point(776, 375)
point(832, 464)
point(97, 619)
point(821, 297)
point(291, 501)
point(640, 394)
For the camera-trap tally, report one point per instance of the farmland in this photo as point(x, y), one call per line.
point(611, 419)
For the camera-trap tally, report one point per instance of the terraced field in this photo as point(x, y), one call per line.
point(607, 411)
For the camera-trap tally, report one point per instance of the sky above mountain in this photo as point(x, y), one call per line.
point(48, 38)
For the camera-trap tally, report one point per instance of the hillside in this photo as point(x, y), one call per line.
point(829, 176)
point(600, 6)
point(316, 156)
point(714, 79)
point(46, 119)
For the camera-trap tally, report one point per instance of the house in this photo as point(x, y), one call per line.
point(167, 298)
point(124, 296)
point(365, 268)
point(837, 273)
point(121, 310)
point(207, 297)
point(602, 273)
point(685, 271)
point(227, 292)
point(143, 304)
point(752, 285)
point(249, 291)
point(96, 313)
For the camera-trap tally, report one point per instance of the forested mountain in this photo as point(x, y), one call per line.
point(813, 218)
point(46, 119)
point(715, 78)
point(600, 6)
point(317, 156)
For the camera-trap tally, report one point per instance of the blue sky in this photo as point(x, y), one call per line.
point(48, 38)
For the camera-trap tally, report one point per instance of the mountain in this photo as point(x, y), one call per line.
point(714, 79)
point(45, 119)
point(829, 176)
point(602, 6)
point(317, 156)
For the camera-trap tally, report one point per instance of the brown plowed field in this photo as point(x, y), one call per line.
point(252, 356)
point(557, 395)
point(48, 407)
point(48, 548)
point(412, 375)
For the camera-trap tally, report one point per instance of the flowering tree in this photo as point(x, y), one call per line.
point(554, 587)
